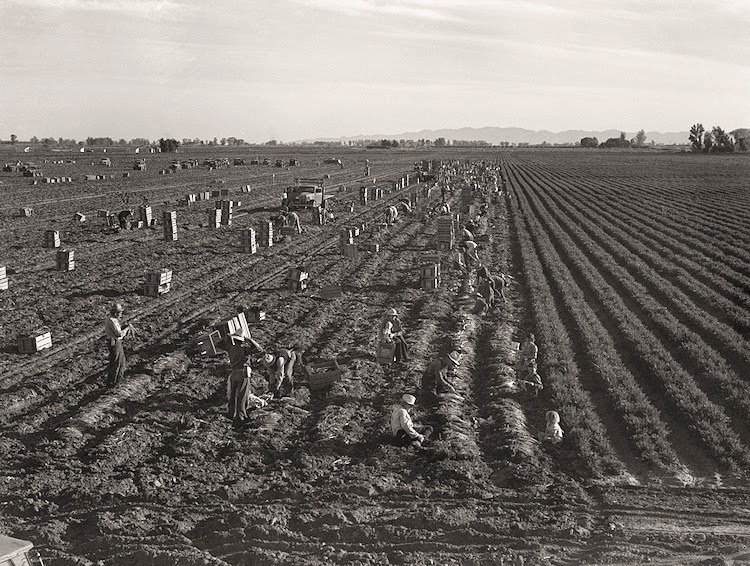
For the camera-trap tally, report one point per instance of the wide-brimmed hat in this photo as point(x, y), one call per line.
point(408, 399)
point(455, 357)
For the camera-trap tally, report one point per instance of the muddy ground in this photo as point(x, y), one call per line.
point(151, 472)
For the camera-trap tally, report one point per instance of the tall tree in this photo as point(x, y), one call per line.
point(640, 139)
point(708, 141)
point(696, 136)
point(723, 142)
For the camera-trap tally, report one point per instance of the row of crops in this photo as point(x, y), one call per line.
point(639, 290)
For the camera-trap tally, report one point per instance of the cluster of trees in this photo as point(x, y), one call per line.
point(718, 140)
point(168, 145)
point(639, 140)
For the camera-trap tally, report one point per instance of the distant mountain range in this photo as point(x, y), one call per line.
point(496, 135)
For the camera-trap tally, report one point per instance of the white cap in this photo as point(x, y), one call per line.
point(408, 399)
point(268, 358)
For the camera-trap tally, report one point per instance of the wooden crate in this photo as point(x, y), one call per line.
point(159, 277)
point(34, 341)
point(297, 274)
point(288, 230)
point(430, 271)
point(26, 212)
point(208, 343)
point(350, 251)
point(297, 285)
point(372, 248)
point(445, 246)
point(151, 290)
point(255, 314)
point(4, 284)
point(52, 239)
point(322, 375)
point(330, 291)
point(386, 353)
point(430, 284)
point(228, 326)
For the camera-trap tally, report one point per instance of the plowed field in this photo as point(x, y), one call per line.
point(632, 270)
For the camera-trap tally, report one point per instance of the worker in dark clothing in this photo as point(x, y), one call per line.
point(435, 378)
point(124, 218)
point(238, 346)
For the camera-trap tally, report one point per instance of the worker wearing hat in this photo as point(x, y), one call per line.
point(114, 334)
point(291, 218)
point(280, 367)
point(392, 332)
point(435, 378)
point(402, 427)
point(238, 384)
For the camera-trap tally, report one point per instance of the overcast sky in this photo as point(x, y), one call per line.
point(291, 69)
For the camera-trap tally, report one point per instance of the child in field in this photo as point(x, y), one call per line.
point(553, 433)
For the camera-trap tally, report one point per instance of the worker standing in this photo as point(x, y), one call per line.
point(391, 214)
point(404, 429)
point(238, 383)
point(280, 367)
point(115, 334)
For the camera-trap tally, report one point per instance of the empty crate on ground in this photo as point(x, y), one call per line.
point(430, 276)
point(322, 375)
point(386, 353)
point(3, 278)
point(34, 341)
point(52, 239)
point(297, 279)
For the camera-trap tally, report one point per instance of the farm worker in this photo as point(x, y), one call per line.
point(391, 214)
point(529, 378)
point(471, 256)
point(500, 283)
point(115, 333)
point(528, 350)
point(467, 234)
point(444, 208)
point(405, 204)
point(280, 366)
point(291, 219)
point(123, 218)
point(553, 433)
point(402, 427)
point(238, 383)
point(435, 378)
point(391, 331)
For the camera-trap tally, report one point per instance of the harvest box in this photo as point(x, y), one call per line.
point(322, 375)
point(34, 341)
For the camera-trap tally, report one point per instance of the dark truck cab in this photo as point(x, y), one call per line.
point(305, 193)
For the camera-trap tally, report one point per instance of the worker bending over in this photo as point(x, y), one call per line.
point(280, 367)
point(402, 427)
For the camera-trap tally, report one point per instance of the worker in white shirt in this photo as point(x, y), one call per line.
point(402, 427)
point(115, 333)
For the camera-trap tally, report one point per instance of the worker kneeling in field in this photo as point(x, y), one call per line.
point(402, 427)
point(280, 367)
point(435, 378)
point(553, 432)
point(291, 218)
point(238, 346)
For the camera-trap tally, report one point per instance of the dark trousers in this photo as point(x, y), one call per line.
point(402, 350)
point(116, 368)
point(238, 391)
point(403, 439)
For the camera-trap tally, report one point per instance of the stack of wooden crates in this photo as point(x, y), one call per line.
point(214, 218)
point(430, 276)
point(52, 239)
point(248, 243)
point(266, 234)
point(297, 279)
point(346, 243)
point(363, 196)
point(158, 283)
point(445, 233)
point(169, 219)
point(145, 215)
point(65, 260)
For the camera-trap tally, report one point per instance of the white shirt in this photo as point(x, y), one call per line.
point(113, 330)
point(400, 420)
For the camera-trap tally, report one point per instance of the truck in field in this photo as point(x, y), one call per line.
point(305, 193)
point(17, 552)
